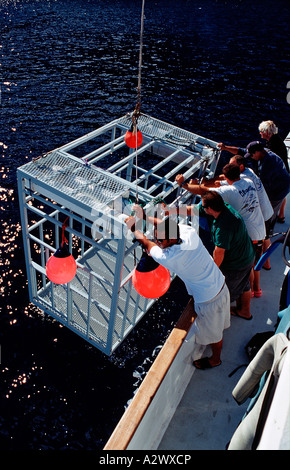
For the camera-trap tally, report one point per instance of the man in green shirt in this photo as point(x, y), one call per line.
point(233, 246)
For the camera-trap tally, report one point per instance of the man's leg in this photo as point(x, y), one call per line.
point(266, 245)
point(243, 305)
point(214, 360)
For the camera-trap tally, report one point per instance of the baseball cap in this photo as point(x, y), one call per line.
point(253, 147)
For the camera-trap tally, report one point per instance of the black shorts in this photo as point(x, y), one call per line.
point(238, 281)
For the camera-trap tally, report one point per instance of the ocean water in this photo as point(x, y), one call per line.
point(216, 68)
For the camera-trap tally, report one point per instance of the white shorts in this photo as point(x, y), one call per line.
point(213, 317)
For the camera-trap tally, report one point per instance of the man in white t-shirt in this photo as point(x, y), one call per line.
point(178, 248)
point(242, 195)
point(245, 172)
point(265, 204)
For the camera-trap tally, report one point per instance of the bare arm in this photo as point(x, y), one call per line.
point(228, 148)
point(141, 214)
point(148, 244)
point(218, 255)
point(194, 187)
point(182, 210)
point(214, 182)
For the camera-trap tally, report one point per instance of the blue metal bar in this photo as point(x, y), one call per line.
point(26, 243)
point(69, 303)
point(115, 293)
point(268, 253)
point(89, 304)
point(43, 263)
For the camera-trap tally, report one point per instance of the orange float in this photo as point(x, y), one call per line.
point(150, 279)
point(130, 138)
point(61, 266)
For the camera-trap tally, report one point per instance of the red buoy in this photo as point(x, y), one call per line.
point(61, 266)
point(150, 279)
point(130, 139)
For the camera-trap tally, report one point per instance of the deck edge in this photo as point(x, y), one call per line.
point(129, 422)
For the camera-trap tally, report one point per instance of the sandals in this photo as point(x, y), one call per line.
point(281, 220)
point(234, 313)
point(258, 293)
point(204, 363)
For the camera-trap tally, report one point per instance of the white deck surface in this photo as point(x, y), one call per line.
point(207, 415)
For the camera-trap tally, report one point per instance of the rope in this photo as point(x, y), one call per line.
point(138, 103)
point(137, 110)
point(137, 199)
point(63, 238)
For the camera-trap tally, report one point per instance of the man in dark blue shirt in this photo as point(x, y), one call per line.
point(276, 181)
point(271, 170)
point(269, 132)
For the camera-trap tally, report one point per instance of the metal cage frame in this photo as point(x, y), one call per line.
point(94, 189)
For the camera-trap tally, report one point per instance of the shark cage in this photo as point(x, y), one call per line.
point(83, 189)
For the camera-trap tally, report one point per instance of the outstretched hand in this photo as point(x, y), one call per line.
point(179, 179)
point(221, 146)
point(130, 222)
point(138, 211)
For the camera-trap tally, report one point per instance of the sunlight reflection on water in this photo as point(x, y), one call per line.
point(68, 67)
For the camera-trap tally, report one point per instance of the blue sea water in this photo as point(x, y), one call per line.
point(214, 67)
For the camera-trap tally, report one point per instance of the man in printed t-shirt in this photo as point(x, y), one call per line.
point(233, 252)
point(242, 195)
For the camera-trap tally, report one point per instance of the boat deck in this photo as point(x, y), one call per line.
point(195, 408)
point(207, 414)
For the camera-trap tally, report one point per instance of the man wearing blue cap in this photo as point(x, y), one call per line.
point(274, 176)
